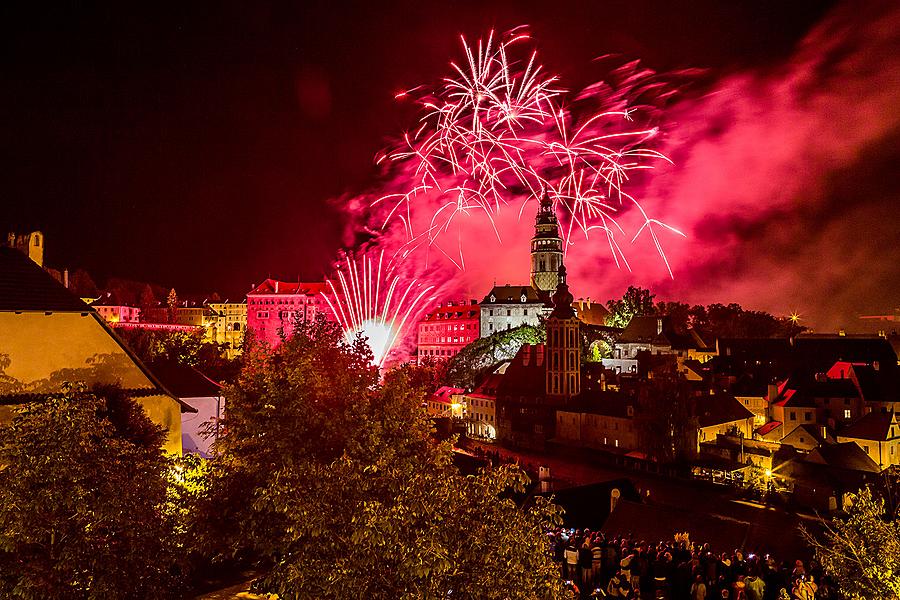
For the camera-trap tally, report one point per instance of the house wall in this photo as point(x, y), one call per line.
point(47, 350)
point(500, 317)
point(194, 425)
point(482, 416)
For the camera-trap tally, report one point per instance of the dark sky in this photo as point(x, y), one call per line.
point(196, 145)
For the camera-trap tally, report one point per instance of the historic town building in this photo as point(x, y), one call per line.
point(447, 329)
point(275, 307)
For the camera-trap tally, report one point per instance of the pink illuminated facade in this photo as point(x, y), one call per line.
point(275, 306)
point(447, 329)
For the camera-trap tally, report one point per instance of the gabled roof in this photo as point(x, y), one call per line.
point(874, 426)
point(456, 311)
point(24, 286)
point(269, 287)
point(445, 393)
point(185, 382)
point(844, 455)
point(512, 294)
point(813, 431)
point(768, 428)
point(719, 409)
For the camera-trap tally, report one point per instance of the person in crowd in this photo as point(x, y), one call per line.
point(698, 588)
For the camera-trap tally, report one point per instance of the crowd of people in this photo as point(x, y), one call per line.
point(620, 567)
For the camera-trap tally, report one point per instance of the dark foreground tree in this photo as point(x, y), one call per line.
point(336, 483)
point(862, 551)
point(83, 485)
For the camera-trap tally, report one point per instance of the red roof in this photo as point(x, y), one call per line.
point(768, 427)
point(444, 394)
point(273, 286)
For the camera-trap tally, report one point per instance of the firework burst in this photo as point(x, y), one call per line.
point(372, 299)
point(500, 129)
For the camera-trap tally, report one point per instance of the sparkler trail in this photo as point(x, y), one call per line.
point(501, 129)
point(372, 299)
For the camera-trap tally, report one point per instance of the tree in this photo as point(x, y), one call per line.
point(636, 301)
point(172, 306)
point(862, 551)
point(335, 482)
point(147, 301)
point(187, 348)
point(82, 285)
point(83, 500)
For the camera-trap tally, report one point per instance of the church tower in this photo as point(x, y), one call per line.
point(563, 344)
point(546, 248)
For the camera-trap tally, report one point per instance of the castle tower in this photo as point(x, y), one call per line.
point(563, 343)
point(546, 248)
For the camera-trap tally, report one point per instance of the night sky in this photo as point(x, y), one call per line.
point(199, 145)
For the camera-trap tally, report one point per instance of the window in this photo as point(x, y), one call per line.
point(807, 416)
point(491, 312)
point(847, 413)
point(508, 312)
point(793, 415)
point(262, 314)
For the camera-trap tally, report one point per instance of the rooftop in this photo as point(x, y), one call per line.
point(24, 286)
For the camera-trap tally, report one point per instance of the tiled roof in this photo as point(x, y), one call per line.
point(719, 409)
point(873, 426)
point(24, 286)
point(845, 455)
point(460, 311)
point(768, 427)
point(512, 294)
point(444, 394)
point(269, 286)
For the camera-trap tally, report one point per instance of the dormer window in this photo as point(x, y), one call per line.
point(493, 298)
point(524, 298)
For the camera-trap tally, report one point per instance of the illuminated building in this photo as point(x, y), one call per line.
point(509, 306)
point(275, 307)
point(447, 329)
point(48, 337)
point(446, 402)
point(878, 434)
point(198, 429)
point(228, 325)
point(113, 312)
point(481, 406)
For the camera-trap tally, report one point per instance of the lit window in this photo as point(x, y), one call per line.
point(847, 413)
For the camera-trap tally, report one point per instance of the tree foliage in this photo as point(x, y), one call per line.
point(636, 301)
point(334, 481)
point(83, 500)
point(862, 551)
point(187, 348)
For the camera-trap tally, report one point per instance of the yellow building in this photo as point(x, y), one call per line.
point(228, 325)
point(48, 337)
point(878, 434)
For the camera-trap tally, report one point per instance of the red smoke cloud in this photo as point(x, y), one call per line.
point(784, 182)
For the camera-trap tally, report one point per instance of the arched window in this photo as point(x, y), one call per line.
point(37, 240)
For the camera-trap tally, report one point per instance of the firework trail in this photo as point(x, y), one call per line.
point(370, 298)
point(501, 129)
